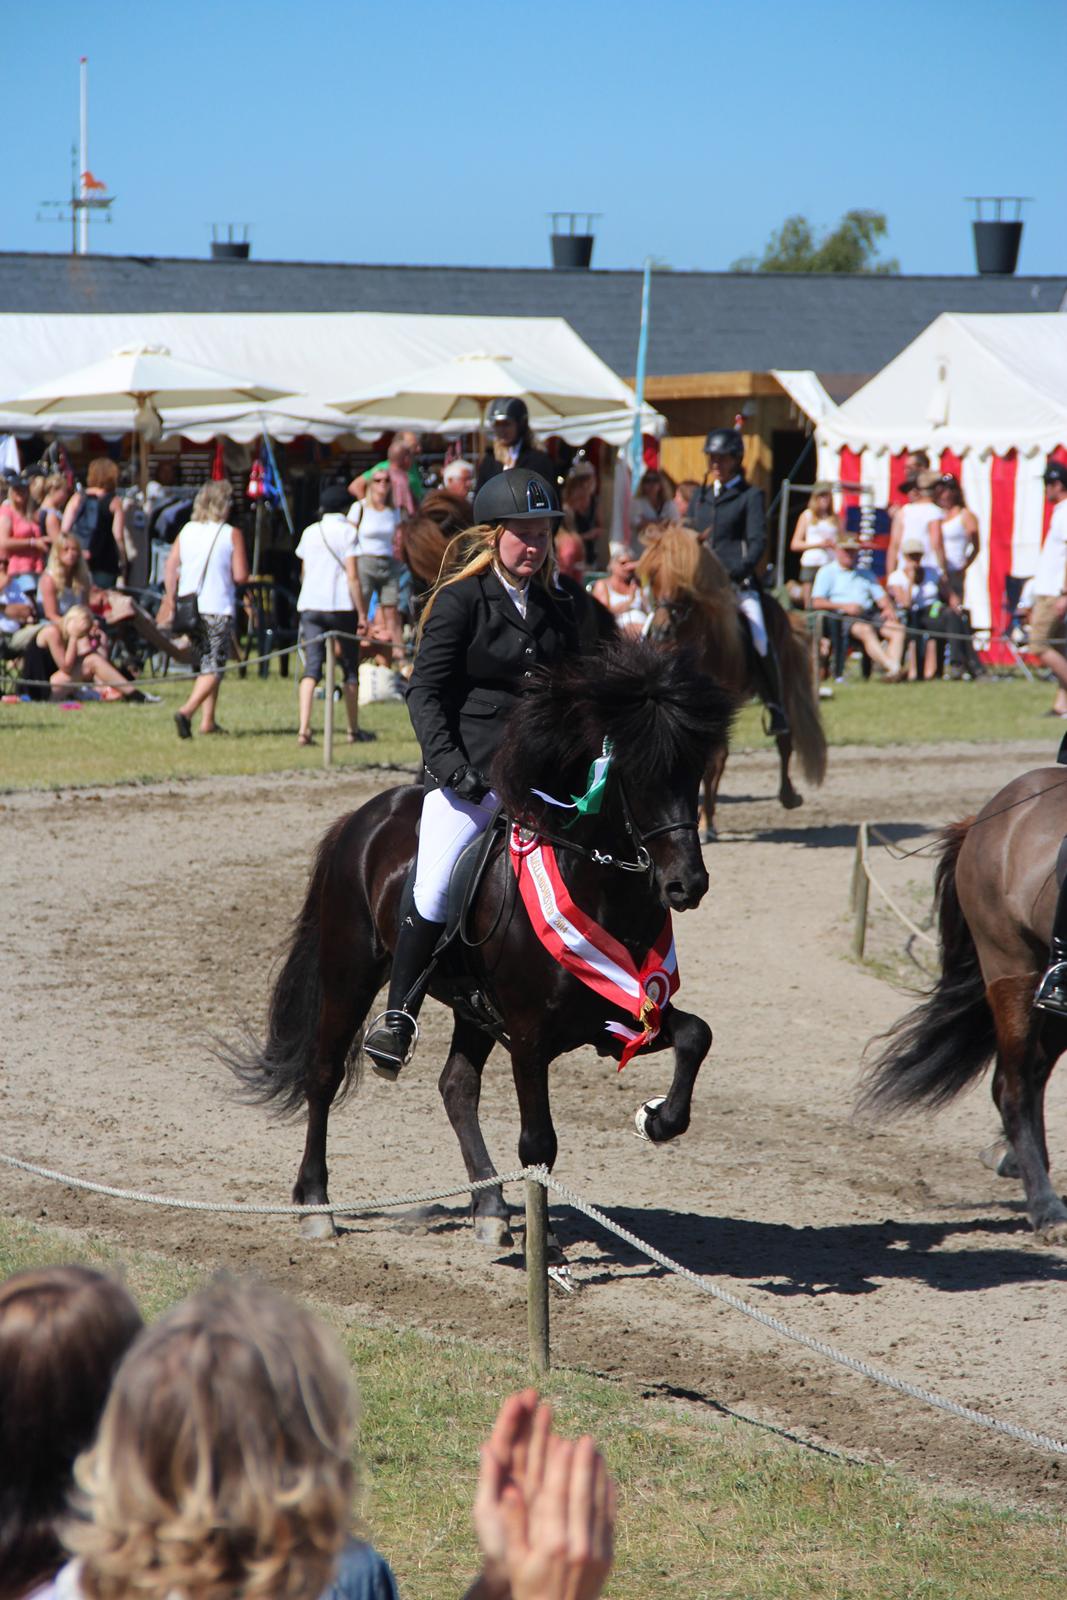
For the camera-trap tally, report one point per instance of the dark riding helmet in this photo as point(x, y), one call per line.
point(724, 442)
point(516, 496)
point(508, 410)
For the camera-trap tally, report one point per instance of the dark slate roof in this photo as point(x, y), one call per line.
point(700, 321)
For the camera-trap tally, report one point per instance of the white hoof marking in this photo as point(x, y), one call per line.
point(642, 1114)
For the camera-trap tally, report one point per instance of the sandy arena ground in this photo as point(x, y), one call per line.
point(892, 1242)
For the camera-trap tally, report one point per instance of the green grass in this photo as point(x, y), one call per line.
point(708, 1507)
point(46, 747)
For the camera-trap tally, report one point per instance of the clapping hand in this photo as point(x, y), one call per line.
point(545, 1509)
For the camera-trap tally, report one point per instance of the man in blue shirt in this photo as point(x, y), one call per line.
point(860, 609)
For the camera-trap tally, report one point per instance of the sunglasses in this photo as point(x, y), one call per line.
point(379, 480)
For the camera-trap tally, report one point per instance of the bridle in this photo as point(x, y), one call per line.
point(677, 613)
point(639, 835)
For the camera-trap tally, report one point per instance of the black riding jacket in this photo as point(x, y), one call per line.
point(733, 525)
point(529, 456)
point(476, 656)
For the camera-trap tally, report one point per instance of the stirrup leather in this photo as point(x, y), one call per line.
point(391, 1020)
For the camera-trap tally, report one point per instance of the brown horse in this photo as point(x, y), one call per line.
point(426, 536)
point(995, 896)
point(696, 607)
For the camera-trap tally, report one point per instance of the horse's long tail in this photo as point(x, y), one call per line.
point(801, 704)
point(274, 1072)
point(938, 1048)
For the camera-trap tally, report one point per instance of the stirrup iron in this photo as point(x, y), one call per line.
point(391, 1020)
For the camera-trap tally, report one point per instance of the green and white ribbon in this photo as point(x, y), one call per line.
point(589, 803)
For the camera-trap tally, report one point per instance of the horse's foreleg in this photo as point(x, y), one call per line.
point(691, 1038)
point(460, 1085)
point(343, 1007)
point(789, 797)
point(1025, 1057)
point(712, 778)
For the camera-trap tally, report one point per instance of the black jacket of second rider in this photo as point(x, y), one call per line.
point(733, 525)
point(477, 655)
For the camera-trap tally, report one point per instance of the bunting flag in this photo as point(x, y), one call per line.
point(588, 951)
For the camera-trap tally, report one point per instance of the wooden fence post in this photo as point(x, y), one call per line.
point(537, 1273)
point(860, 891)
point(331, 678)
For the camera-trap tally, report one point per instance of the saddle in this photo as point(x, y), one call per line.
point(448, 974)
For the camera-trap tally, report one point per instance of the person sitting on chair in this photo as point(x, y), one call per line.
point(484, 631)
point(728, 515)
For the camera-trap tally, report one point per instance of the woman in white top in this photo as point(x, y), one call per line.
point(959, 531)
point(621, 592)
point(379, 570)
point(330, 600)
point(208, 558)
point(818, 529)
point(919, 516)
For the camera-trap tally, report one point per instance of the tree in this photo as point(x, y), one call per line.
point(850, 247)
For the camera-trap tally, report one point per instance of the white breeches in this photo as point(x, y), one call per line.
point(749, 602)
point(448, 825)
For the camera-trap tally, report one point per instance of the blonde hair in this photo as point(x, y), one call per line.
point(103, 474)
point(77, 623)
point(475, 548)
point(222, 1466)
point(54, 481)
point(213, 501)
point(79, 580)
point(36, 491)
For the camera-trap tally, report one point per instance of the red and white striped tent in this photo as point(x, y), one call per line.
point(986, 398)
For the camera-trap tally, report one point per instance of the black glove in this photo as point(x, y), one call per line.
point(468, 784)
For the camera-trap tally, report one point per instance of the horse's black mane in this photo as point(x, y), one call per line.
point(659, 712)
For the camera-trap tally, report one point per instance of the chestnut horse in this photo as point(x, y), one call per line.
point(695, 606)
point(995, 897)
point(623, 867)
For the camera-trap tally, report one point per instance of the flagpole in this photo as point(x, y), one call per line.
point(637, 457)
point(83, 245)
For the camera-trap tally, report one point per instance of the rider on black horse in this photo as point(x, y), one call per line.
point(728, 515)
point(484, 632)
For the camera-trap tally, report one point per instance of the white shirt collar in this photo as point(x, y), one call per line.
point(519, 594)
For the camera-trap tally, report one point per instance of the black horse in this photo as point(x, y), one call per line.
point(622, 867)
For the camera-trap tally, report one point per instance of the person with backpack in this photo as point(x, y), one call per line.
point(96, 515)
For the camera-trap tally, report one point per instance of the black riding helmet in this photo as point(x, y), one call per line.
point(724, 442)
point(516, 496)
point(508, 410)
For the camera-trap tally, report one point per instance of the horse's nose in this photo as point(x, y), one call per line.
point(683, 894)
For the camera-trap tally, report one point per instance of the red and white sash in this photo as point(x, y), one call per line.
point(588, 951)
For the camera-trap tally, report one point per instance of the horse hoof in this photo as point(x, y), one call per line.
point(318, 1226)
point(644, 1114)
point(709, 834)
point(1053, 1234)
point(999, 1157)
point(493, 1231)
point(791, 800)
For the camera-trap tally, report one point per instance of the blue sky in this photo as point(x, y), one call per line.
point(444, 133)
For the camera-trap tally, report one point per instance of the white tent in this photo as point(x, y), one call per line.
point(986, 397)
point(317, 355)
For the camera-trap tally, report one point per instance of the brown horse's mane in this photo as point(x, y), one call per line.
point(675, 566)
point(425, 537)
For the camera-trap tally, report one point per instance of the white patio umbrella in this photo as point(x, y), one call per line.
point(458, 391)
point(142, 380)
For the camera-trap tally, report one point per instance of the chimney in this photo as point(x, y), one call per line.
point(225, 247)
point(997, 237)
point(572, 250)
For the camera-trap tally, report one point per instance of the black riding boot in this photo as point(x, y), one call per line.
point(1052, 990)
point(391, 1043)
point(769, 670)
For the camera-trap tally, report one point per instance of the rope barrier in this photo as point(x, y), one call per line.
point(541, 1175)
point(982, 1419)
